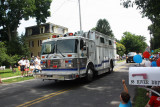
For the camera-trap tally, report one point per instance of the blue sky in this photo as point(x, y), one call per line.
point(66, 13)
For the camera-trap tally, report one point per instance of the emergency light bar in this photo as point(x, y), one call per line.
point(65, 35)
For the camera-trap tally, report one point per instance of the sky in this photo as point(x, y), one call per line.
point(66, 13)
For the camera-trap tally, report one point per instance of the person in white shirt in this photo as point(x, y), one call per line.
point(27, 65)
point(38, 63)
point(147, 63)
point(22, 64)
point(32, 68)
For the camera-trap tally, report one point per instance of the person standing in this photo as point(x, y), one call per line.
point(32, 60)
point(27, 66)
point(22, 64)
point(38, 63)
point(125, 97)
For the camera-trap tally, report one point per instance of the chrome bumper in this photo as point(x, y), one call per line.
point(55, 77)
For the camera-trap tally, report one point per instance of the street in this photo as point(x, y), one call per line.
point(104, 91)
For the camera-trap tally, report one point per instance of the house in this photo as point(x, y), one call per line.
point(36, 34)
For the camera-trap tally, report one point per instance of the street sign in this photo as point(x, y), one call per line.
point(146, 76)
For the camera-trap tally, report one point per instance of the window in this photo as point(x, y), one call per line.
point(29, 32)
point(52, 28)
point(110, 42)
point(60, 46)
point(42, 29)
point(31, 43)
point(101, 40)
point(39, 43)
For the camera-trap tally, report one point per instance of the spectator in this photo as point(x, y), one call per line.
point(22, 64)
point(38, 63)
point(32, 68)
point(32, 60)
point(27, 66)
point(125, 97)
point(147, 63)
point(155, 99)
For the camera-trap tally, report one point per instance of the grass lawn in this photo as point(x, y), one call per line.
point(17, 79)
point(8, 73)
point(120, 61)
point(140, 99)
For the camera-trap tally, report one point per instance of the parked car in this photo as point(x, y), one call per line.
point(129, 57)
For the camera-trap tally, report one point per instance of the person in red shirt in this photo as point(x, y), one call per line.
point(155, 99)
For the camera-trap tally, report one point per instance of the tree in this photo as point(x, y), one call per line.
point(155, 32)
point(22, 48)
point(3, 54)
point(148, 8)
point(120, 49)
point(12, 11)
point(104, 27)
point(133, 43)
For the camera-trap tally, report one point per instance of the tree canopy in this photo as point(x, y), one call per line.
point(133, 43)
point(12, 11)
point(148, 8)
point(155, 33)
point(121, 49)
point(151, 10)
point(104, 27)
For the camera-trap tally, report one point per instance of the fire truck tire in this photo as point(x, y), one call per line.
point(89, 75)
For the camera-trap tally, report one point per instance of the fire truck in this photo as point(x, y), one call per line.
point(74, 56)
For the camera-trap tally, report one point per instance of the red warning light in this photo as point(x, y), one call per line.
point(70, 34)
point(54, 36)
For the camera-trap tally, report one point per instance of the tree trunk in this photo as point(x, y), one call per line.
point(9, 33)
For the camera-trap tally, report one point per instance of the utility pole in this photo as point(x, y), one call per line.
point(80, 17)
point(151, 42)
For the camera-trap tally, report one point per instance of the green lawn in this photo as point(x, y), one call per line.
point(121, 61)
point(17, 79)
point(140, 99)
point(8, 73)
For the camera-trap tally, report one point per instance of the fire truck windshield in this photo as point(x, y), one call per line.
point(60, 46)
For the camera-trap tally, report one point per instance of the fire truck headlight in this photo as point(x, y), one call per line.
point(69, 65)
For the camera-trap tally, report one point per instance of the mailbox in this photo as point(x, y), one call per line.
point(146, 76)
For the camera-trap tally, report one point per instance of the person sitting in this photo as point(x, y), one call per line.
point(125, 97)
point(32, 68)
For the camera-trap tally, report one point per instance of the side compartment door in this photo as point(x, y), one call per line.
point(92, 50)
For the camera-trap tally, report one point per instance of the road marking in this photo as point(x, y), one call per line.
point(29, 103)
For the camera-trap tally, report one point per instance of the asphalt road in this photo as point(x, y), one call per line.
point(102, 92)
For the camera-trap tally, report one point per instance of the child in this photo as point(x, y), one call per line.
point(125, 97)
point(32, 68)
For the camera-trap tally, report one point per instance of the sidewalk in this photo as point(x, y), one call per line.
point(10, 78)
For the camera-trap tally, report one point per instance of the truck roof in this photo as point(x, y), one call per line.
point(61, 38)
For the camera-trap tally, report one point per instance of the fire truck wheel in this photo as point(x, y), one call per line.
point(90, 74)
